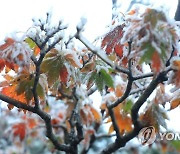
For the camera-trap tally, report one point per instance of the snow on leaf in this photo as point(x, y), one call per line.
point(101, 79)
point(89, 115)
point(88, 67)
point(111, 41)
point(16, 51)
point(51, 66)
point(74, 61)
point(150, 32)
point(8, 42)
point(19, 130)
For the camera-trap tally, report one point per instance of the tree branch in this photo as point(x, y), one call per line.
point(16, 103)
point(113, 119)
point(134, 114)
point(99, 53)
point(43, 115)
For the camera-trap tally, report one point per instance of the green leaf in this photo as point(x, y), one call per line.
point(107, 78)
point(163, 52)
point(149, 50)
point(25, 85)
point(127, 106)
point(99, 81)
point(30, 42)
point(51, 66)
point(153, 16)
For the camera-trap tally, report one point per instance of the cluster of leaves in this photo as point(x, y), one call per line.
point(34, 69)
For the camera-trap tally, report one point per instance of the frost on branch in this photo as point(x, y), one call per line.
point(55, 80)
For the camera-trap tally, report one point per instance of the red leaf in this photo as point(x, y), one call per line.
point(2, 64)
point(19, 130)
point(63, 74)
point(119, 50)
point(9, 66)
point(112, 39)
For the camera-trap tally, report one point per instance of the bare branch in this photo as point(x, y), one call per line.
point(143, 76)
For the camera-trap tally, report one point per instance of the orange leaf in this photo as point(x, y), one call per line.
point(96, 114)
point(132, 12)
point(176, 63)
point(36, 50)
point(73, 60)
point(10, 91)
point(123, 121)
point(19, 130)
point(31, 123)
point(175, 103)
point(156, 62)
point(118, 91)
point(63, 74)
point(8, 42)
